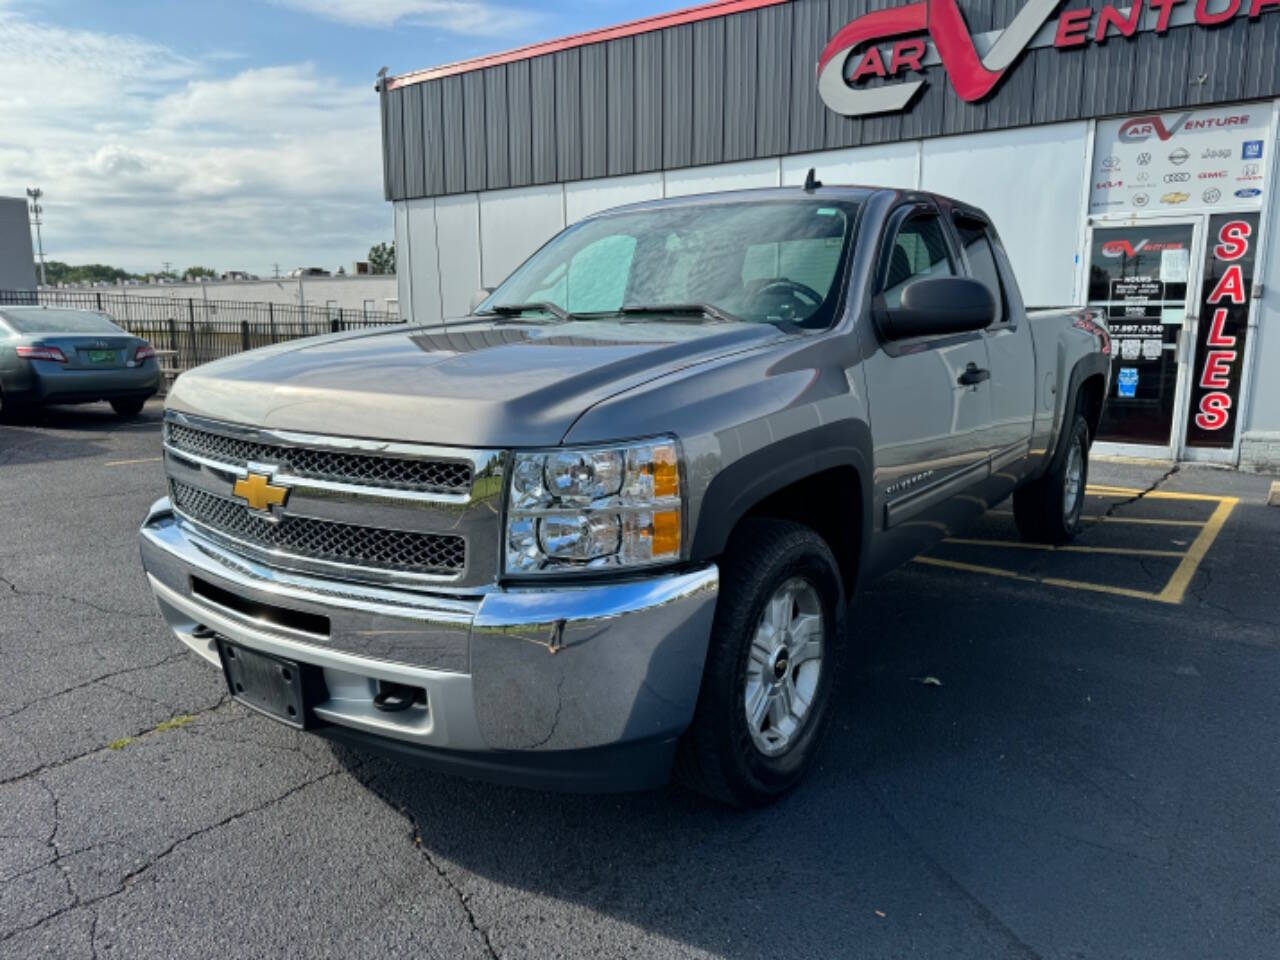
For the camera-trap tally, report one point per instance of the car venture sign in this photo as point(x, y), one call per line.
point(891, 45)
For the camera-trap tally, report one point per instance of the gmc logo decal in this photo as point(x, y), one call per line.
point(974, 77)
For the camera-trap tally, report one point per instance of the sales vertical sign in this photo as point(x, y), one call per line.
point(1224, 325)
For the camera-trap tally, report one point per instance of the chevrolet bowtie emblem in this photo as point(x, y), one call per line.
point(260, 493)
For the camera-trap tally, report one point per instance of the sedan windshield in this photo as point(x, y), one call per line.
point(42, 320)
point(765, 262)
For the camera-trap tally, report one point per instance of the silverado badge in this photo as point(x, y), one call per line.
point(260, 493)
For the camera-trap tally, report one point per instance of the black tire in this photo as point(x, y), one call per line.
point(1041, 509)
point(129, 407)
point(718, 755)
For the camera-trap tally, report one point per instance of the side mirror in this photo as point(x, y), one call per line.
point(938, 306)
point(479, 297)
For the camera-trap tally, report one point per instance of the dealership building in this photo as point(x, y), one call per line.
point(1125, 151)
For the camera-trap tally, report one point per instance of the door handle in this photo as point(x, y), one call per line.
point(973, 375)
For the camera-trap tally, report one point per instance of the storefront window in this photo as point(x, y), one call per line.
point(1139, 275)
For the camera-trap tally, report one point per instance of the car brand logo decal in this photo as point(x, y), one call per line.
point(1111, 163)
point(1177, 177)
point(1141, 200)
point(1213, 175)
point(1252, 150)
point(1109, 185)
point(1115, 249)
point(1144, 159)
point(889, 44)
point(972, 76)
point(260, 493)
point(1249, 193)
point(1212, 195)
point(1212, 154)
point(1179, 156)
point(1175, 198)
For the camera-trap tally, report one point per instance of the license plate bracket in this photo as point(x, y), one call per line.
point(265, 683)
point(102, 356)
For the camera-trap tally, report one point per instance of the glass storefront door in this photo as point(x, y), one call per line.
point(1143, 277)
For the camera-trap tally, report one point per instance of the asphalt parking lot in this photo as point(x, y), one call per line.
point(1055, 754)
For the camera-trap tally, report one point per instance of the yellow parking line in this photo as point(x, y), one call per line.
point(1103, 491)
point(1048, 581)
point(1097, 518)
point(129, 463)
point(1070, 548)
point(1176, 589)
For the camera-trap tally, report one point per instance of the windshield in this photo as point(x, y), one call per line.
point(766, 262)
point(40, 320)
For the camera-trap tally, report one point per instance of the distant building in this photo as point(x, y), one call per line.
point(17, 259)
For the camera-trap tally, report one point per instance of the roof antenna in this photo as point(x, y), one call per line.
point(381, 81)
point(811, 182)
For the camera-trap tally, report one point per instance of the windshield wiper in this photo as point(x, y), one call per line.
point(703, 310)
point(517, 309)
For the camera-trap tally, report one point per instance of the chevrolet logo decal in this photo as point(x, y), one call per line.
point(260, 493)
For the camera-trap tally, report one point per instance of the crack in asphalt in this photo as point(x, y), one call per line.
point(128, 880)
point(416, 837)
point(16, 591)
point(36, 772)
point(1155, 485)
point(96, 680)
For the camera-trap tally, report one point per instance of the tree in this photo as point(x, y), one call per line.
point(198, 273)
point(382, 258)
point(342, 271)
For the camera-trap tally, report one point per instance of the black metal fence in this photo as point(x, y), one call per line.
point(193, 330)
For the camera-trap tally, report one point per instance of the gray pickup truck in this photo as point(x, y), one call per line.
point(609, 526)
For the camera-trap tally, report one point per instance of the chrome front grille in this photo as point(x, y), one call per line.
point(362, 469)
point(323, 540)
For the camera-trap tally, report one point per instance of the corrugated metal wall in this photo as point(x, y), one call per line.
point(743, 86)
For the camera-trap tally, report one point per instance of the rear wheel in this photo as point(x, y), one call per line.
point(767, 687)
point(1050, 509)
point(129, 407)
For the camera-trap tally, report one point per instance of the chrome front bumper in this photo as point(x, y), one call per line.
point(513, 673)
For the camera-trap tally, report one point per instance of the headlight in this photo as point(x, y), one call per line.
point(597, 508)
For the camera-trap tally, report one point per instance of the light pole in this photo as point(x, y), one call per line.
point(35, 193)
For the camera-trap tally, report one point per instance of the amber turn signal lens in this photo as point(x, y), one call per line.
point(666, 534)
point(666, 473)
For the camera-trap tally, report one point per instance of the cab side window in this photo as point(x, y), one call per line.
point(919, 251)
point(982, 261)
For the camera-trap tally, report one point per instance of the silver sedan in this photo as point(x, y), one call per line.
point(55, 355)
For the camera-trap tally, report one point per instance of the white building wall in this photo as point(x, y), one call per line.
point(458, 248)
point(884, 165)
point(513, 225)
point(1260, 443)
point(1032, 183)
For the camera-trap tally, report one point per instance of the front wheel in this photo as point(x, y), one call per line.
point(767, 686)
point(129, 407)
point(1050, 509)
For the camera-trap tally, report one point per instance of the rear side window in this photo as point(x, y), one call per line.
point(982, 260)
point(919, 251)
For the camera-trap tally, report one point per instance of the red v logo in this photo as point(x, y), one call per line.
point(973, 77)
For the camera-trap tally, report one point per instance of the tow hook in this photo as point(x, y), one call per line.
point(397, 697)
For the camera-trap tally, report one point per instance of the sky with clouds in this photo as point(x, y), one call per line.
point(236, 134)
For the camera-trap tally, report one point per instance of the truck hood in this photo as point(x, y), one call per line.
point(476, 384)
